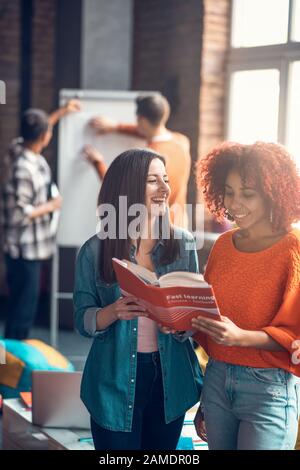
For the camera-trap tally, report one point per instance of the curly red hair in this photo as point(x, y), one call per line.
point(266, 165)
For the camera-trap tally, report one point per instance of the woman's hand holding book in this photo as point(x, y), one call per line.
point(127, 308)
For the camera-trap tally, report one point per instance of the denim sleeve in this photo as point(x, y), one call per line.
point(85, 298)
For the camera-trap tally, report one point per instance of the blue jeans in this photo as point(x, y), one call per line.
point(149, 430)
point(250, 408)
point(23, 279)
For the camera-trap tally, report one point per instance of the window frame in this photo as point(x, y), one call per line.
point(276, 56)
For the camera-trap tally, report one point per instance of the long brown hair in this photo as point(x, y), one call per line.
point(127, 176)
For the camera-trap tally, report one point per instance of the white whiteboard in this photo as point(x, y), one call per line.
point(78, 181)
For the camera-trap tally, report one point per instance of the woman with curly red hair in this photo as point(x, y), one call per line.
point(251, 395)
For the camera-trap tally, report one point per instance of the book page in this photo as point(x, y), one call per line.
point(182, 278)
point(145, 274)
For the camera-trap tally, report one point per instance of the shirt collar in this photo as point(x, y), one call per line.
point(162, 137)
point(159, 242)
point(31, 156)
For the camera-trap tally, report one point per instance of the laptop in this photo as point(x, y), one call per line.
point(56, 400)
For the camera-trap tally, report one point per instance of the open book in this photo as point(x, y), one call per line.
point(172, 299)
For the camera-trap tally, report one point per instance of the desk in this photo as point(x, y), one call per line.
point(19, 432)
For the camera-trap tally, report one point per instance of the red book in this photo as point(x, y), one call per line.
point(173, 299)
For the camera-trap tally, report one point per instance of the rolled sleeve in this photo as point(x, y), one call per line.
point(28, 209)
point(285, 326)
point(85, 298)
point(90, 322)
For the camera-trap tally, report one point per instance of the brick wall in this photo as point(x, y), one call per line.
point(43, 54)
point(42, 64)
point(43, 92)
point(10, 13)
point(216, 39)
point(167, 57)
point(9, 70)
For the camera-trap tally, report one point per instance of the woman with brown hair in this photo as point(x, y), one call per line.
point(138, 382)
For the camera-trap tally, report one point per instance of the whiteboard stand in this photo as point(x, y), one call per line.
point(56, 296)
point(54, 324)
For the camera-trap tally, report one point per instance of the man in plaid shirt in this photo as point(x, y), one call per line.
point(26, 216)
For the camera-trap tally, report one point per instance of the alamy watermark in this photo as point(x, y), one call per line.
point(138, 221)
point(2, 92)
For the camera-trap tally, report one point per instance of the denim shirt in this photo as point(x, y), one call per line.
point(108, 383)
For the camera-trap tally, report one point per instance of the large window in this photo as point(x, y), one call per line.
point(259, 22)
point(254, 95)
point(296, 21)
point(264, 73)
point(293, 115)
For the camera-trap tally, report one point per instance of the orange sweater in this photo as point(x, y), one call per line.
point(176, 150)
point(258, 291)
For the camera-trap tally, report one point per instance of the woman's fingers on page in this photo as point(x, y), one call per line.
point(129, 303)
point(217, 333)
point(209, 321)
point(125, 311)
point(213, 333)
point(206, 324)
point(197, 324)
point(217, 337)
